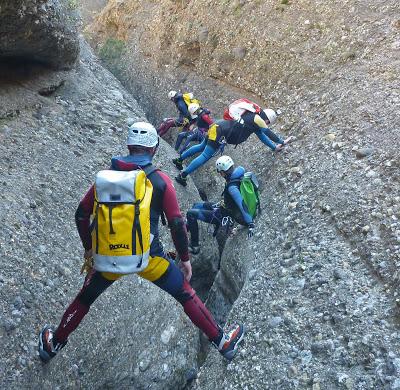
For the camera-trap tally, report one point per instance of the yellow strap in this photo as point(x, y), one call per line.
point(260, 122)
point(212, 132)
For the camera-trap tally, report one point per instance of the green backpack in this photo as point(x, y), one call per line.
point(249, 191)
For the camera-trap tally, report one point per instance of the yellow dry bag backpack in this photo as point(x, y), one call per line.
point(121, 221)
point(189, 99)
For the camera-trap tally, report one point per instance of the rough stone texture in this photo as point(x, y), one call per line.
point(334, 102)
point(135, 336)
point(39, 30)
point(317, 287)
point(90, 9)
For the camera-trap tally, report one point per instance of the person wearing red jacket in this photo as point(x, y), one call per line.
point(161, 270)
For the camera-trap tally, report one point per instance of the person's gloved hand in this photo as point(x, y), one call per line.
point(88, 262)
point(250, 230)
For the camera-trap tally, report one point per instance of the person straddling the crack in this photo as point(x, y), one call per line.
point(250, 114)
point(181, 101)
point(222, 131)
point(203, 120)
point(161, 270)
point(232, 206)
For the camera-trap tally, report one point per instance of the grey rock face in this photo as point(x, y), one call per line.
point(39, 30)
point(364, 152)
point(135, 335)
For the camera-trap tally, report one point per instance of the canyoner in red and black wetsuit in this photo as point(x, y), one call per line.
point(161, 270)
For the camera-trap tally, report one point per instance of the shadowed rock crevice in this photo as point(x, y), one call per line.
point(15, 70)
point(216, 283)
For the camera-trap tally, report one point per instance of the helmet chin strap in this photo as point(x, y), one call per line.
point(154, 151)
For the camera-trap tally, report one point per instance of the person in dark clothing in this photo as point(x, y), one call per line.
point(221, 132)
point(250, 114)
point(161, 270)
point(232, 206)
point(203, 121)
point(184, 119)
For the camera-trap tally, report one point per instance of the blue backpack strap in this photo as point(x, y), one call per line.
point(149, 169)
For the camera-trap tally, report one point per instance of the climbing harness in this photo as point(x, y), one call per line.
point(221, 146)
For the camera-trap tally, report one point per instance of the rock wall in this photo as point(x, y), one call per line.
point(57, 130)
point(318, 284)
point(39, 30)
point(331, 67)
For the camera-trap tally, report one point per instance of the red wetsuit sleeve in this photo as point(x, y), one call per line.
point(174, 217)
point(82, 218)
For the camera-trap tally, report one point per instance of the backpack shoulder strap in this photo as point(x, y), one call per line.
point(234, 182)
point(148, 170)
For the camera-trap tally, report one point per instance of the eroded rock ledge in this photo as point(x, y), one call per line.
point(39, 30)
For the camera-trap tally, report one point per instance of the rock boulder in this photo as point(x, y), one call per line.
point(39, 30)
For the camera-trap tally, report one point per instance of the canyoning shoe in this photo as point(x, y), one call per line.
point(47, 349)
point(178, 163)
point(229, 343)
point(289, 139)
point(181, 180)
point(194, 249)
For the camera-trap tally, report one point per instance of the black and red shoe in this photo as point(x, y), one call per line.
point(47, 348)
point(230, 342)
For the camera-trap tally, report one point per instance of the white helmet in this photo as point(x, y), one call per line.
point(271, 115)
point(172, 94)
point(142, 134)
point(224, 163)
point(193, 107)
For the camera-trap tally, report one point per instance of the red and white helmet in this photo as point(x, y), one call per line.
point(224, 163)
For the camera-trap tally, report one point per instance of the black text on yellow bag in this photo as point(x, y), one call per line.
point(121, 227)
